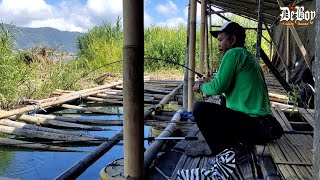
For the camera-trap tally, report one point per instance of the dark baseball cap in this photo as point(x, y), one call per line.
point(229, 27)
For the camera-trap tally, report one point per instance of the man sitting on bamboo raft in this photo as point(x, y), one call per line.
point(247, 117)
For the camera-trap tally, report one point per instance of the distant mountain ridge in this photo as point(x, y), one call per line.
point(30, 37)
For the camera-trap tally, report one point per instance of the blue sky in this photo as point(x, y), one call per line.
point(81, 15)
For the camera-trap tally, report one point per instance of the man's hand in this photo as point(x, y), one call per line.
point(196, 86)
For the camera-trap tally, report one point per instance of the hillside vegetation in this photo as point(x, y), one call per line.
point(35, 73)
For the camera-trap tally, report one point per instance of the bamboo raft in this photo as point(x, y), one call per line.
point(48, 131)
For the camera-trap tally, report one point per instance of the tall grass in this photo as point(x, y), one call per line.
point(100, 46)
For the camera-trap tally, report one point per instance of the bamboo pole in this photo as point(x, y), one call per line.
point(68, 106)
point(206, 54)
point(167, 98)
point(202, 34)
point(32, 145)
point(316, 140)
point(185, 76)
point(154, 148)
point(192, 44)
point(58, 100)
point(79, 167)
point(43, 121)
point(211, 42)
point(288, 54)
point(133, 65)
point(44, 135)
point(16, 124)
point(81, 120)
point(259, 30)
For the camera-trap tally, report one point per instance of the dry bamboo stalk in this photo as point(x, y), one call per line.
point(45, 135)
point(31, 145)
point(59, 100)
point(68, 106)
point(43, 121)
point(167, 98)
point(16, 124)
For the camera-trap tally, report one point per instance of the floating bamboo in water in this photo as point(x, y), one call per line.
point(43, 121)
point(87, 109)
point(45, 135)
point(59, 100)
point(81, 120)
point(7, 122)
point(31, 145)
point(108, 95)
point(167, 98)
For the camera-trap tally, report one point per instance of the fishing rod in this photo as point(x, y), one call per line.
point(175, 63)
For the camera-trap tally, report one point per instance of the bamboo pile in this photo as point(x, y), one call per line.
point(27, 124)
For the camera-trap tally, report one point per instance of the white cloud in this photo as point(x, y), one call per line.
point(170, 8)
point(173, 22)
point(147, 19)
point(69, 15)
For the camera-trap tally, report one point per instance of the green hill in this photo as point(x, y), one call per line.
point(29, 37)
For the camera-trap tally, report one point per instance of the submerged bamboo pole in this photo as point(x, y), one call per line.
point(43, 121)
point(68, 106)
point(133, 85)
point(37, 146)
point(81, 120)
point(16, 124)
point(58, 100)
point(44, 135)
point(192, 44)
point(167, 98)
point(153, 149)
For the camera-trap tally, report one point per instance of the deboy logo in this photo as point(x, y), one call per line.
point(296, 15)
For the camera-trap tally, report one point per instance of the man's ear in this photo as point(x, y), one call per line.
point(233, 40)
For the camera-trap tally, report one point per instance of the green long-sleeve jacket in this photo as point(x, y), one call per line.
point(241, 79)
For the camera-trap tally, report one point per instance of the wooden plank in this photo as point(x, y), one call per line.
point(306, 116)
point(278, 117)
point(180, 165)
point(284, 118)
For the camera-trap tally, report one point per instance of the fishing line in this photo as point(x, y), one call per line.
point(175, 63)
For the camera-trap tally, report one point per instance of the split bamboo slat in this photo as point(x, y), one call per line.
point(308, 115)
point(280, 120)
point(33, 145)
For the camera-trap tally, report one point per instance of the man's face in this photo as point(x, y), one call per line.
point(224, 42)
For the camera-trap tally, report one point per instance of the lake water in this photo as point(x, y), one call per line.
point(33, 165)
